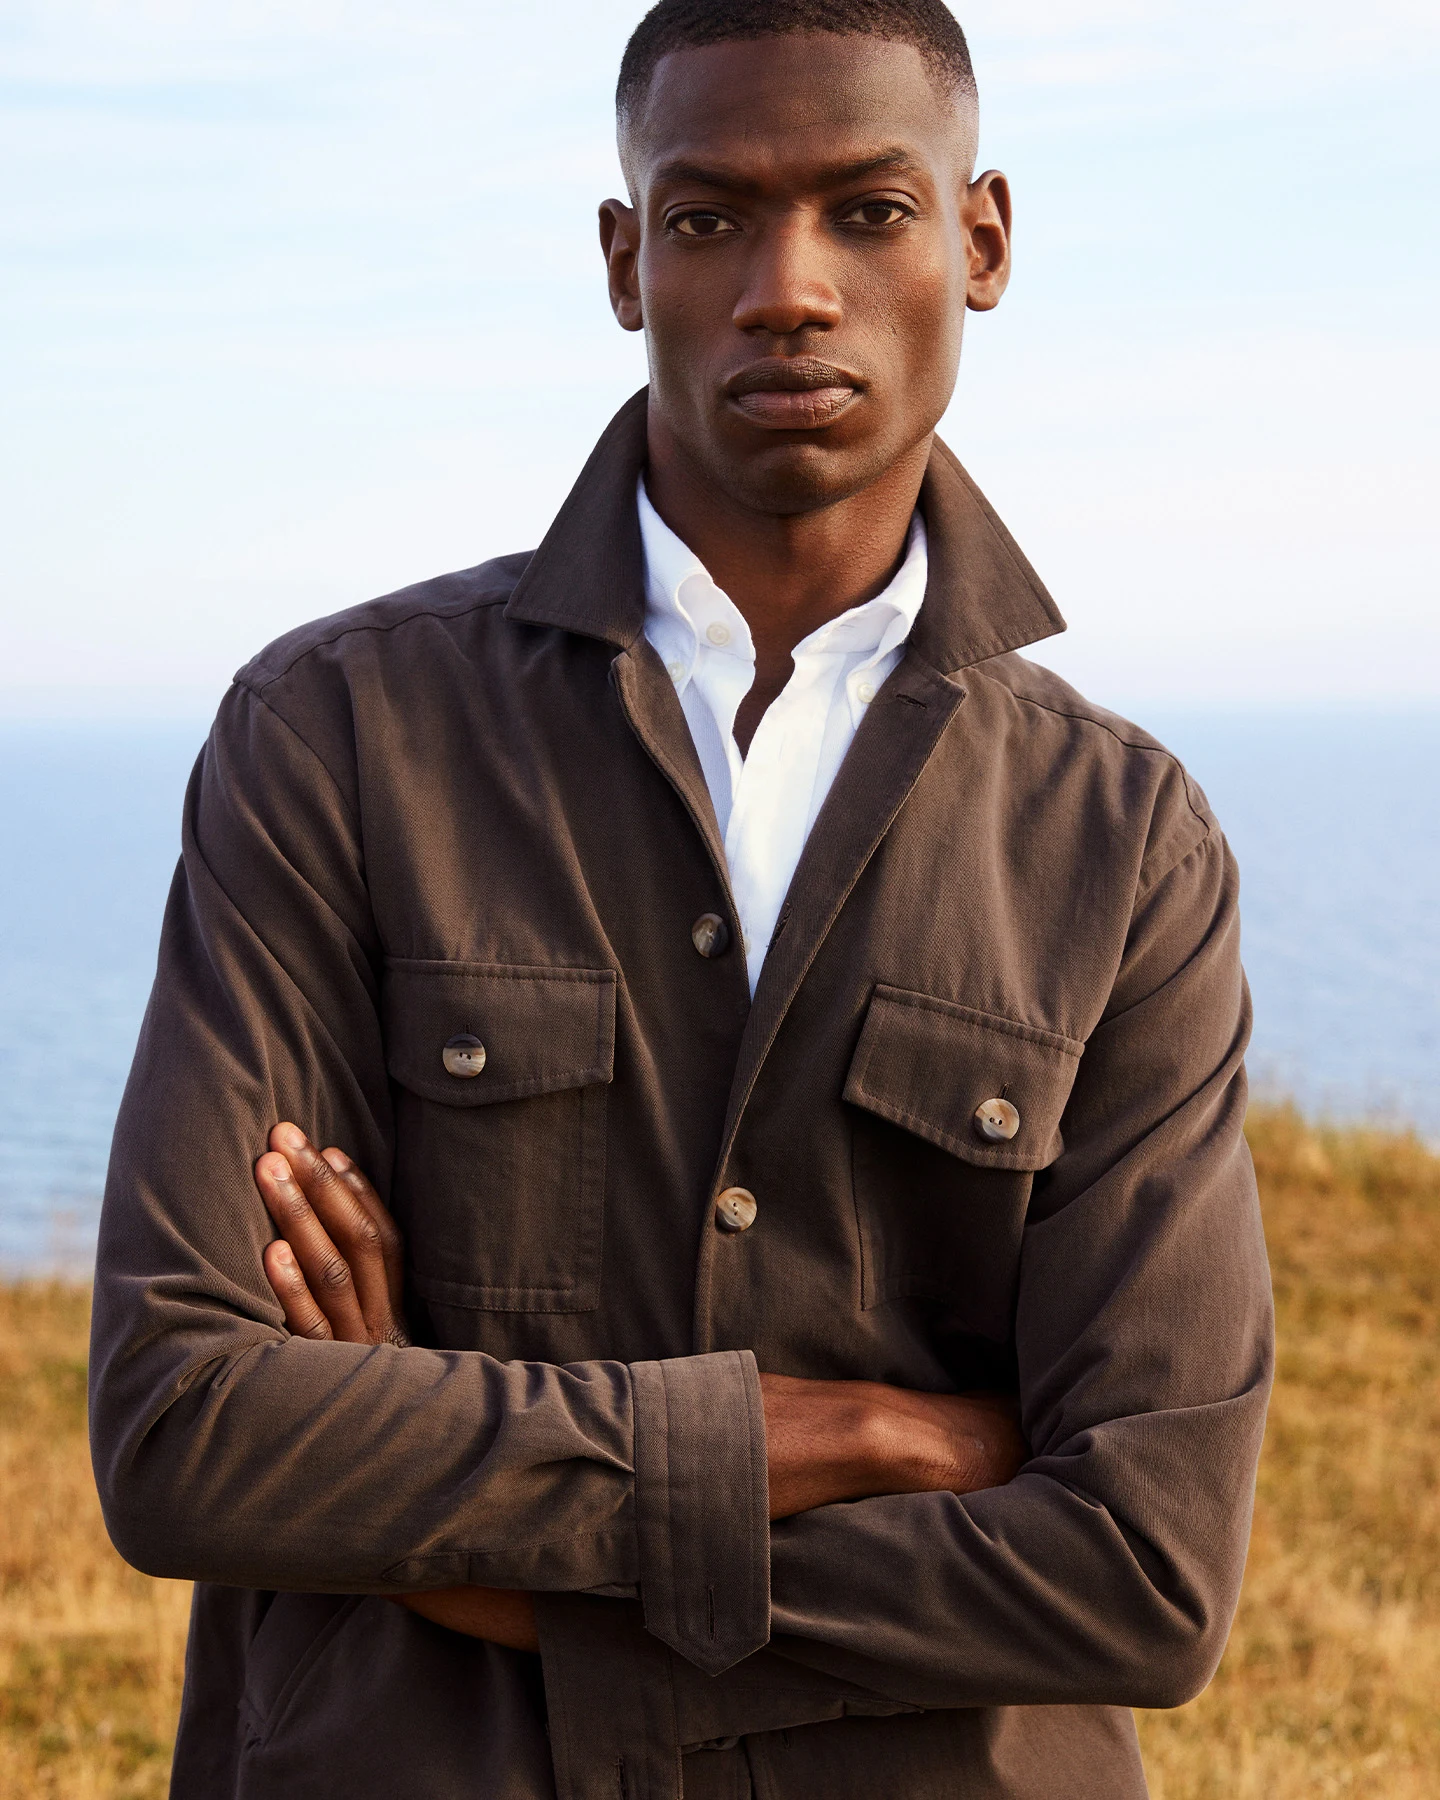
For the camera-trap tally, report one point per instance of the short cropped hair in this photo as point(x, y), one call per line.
point(680, 24)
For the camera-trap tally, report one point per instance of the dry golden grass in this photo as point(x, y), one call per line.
point(90, 1652)
point(1331, 1684)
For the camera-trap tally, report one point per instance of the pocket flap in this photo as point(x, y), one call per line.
point(542, 1029)
point(930, 1066)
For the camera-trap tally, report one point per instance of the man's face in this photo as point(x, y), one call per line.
point(804, 241)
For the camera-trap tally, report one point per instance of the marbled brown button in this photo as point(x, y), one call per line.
point(997, 1121)
point(735, 1209)
point(710, 935)
point(463, 1056)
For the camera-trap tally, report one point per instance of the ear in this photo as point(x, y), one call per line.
point(986, 215)
point(620, 245)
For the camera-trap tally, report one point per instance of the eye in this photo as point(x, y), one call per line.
point(879, 212)
point(700, 224)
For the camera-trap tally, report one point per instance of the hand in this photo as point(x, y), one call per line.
point(337, 1269)
point(848, 1440)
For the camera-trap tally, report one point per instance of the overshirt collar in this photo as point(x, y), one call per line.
point(982, 598)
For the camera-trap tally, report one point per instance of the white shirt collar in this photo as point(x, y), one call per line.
point(687, 614)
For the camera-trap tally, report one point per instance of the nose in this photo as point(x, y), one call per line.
point(787, 287)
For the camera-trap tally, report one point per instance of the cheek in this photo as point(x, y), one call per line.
point(920, 317)
point(682, 305)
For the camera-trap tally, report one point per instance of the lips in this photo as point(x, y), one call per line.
point(792, 393)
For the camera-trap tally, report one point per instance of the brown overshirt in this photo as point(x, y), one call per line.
point(474, 808)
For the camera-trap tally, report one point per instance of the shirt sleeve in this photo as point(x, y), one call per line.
point(1107, 1572)
point(225, 1450)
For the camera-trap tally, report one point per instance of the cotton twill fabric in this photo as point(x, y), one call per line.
point(475, 807)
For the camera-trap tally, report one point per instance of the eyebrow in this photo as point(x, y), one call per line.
point(895, 161)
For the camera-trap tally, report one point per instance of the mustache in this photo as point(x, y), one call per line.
point(793, 374)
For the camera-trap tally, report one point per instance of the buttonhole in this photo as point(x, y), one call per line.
point(1003, 1092)
point(911, 699)
point(710, 1609)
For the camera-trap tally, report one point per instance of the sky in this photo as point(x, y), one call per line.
point(301, 302)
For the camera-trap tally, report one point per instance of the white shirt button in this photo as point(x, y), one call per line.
point(717, 633)
point(676, 671)
point(864, 692)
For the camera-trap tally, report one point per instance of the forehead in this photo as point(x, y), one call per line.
point(777, 107)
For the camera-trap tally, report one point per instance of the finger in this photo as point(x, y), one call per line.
point(303, 1318)
point(326, 1273)
point(349, 1225)
point(392, 1243)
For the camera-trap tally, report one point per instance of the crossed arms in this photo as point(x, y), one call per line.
point(337, 1269)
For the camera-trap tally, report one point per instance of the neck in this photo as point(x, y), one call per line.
point(788, 573)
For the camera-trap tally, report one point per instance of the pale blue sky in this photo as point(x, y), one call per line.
point(300, 302)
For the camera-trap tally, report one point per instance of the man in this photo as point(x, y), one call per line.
point(781, 1026)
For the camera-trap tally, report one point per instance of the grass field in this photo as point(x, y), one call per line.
point(1331, 1684)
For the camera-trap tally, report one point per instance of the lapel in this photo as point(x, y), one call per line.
point(589, 576)
point(982, 599)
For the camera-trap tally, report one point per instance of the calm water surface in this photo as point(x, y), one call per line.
point(1335, 818)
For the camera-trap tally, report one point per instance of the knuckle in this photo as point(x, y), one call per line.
point(335, 1274)
point(290, 1199)
point(319, 1176)
point(367, 1234)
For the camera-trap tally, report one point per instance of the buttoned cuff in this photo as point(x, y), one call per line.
point(703, 1506)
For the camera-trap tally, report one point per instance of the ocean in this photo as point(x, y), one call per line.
point(1335, 818)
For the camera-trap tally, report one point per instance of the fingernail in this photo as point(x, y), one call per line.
point(291, 1136)
point(282, 1254)
point(337, 1160)
point(280, 1169)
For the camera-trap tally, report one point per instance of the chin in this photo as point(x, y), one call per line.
point(801, 477)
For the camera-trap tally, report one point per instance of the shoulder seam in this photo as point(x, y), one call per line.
point(352, 628)
point(1128, 743)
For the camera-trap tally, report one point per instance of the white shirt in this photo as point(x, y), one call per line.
point(766, 801)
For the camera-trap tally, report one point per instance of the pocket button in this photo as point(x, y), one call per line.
point(463, 1056)
point(997, 1121)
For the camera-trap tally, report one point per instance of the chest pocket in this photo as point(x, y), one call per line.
point(957, 1110)
point(501, 1074)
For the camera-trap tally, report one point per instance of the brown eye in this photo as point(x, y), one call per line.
point(701, 224)
point(879, 212)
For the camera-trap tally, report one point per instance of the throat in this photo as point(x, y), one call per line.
point(771, 675)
